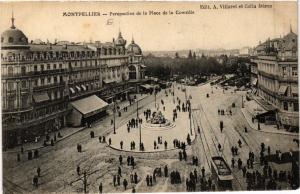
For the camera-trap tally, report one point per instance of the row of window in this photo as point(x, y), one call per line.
point(64, 54)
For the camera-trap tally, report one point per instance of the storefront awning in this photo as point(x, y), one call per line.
point(78, 88)
point(254, 82)
point(72, 90)
point(89, 106)
point(83, 87)
point(108, 81)
point(146, 86)
point(295, 90)
point(254, 108)
point(40, 97)
point(282, 90)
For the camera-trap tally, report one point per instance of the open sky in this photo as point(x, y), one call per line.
point(205, 29)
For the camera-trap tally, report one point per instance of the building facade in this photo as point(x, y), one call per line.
point(276, 62)
point(39, 81)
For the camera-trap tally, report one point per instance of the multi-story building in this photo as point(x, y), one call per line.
point(41, 82)
point(277, 73)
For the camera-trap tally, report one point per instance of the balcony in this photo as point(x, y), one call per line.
point(288, 79)
point(34, 73)
point(49, 86)
point(268, 75)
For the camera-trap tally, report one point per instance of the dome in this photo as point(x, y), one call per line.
point(120, 40)
point(13, 36)
point(133, 48)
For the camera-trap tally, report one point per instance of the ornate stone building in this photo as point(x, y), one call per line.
point(276, 62)
point(41, 81)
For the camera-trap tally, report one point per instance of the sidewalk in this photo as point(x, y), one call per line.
point(126, 103)
point(65, 132)
point(265, 128)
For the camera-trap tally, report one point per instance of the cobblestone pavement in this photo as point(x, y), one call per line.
point(58, 163)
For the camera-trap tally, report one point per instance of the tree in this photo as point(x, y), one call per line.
point(190, 54)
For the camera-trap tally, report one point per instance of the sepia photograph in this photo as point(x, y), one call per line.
point(149, 96)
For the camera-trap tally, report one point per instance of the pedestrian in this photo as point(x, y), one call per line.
point(100, 188)
point(166, 145)
point(150, 180)
point(78, 170)
point(203, 171)
point(109, 141)
point(125, 183)
point(121, 160)
point(269, 150)
point(35, 181)
point(166, 171)
point(118, 180)
point(240, 143)
point(128, 160)
point(180, 155)
point(198, 129)
point(121, 145)
point(232, 150)
point(135, 177)
point(114, 180)
point(219, 147)
point(147, 180)
point(246, 130)
point(232, 162)
point(18, 157)
point(240, 163)
point(119, 171)
point(22, 150)
point(38, 170)
point(184, 155)
point(244, 171)
point(100, 139)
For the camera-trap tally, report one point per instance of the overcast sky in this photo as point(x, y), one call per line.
point(205, 29)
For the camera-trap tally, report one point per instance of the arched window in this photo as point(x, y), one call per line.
point(23, 70)
point(10, 71)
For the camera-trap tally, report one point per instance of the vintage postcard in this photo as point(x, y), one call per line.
point(145, 97)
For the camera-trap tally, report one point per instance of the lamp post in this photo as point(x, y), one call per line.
point(242, 101)
point(140, 129)
point(114, 116)
point(155, 97)
point(191, 119)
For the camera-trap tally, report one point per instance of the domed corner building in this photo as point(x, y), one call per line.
point(136, 63)
point(14, 43)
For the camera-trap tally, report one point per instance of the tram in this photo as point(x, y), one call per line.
point(221, 172)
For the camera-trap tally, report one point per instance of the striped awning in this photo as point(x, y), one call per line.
point(83, 87)
point(282, 90)
point(41, 97)
point(295, 90)
point(72, 90)
point(78, 88)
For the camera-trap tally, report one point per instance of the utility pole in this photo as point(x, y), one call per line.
point(84, 182)
point(191, 119)
point(242, 101)
point(114, 116)
point(140, 129)
point(155, 97)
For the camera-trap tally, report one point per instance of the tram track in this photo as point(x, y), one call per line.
point(214, 139)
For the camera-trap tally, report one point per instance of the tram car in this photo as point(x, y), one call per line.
point(221, 172)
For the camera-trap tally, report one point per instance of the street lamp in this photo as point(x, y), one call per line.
point(140, 129)
point(191, 118)
point(114, 116)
